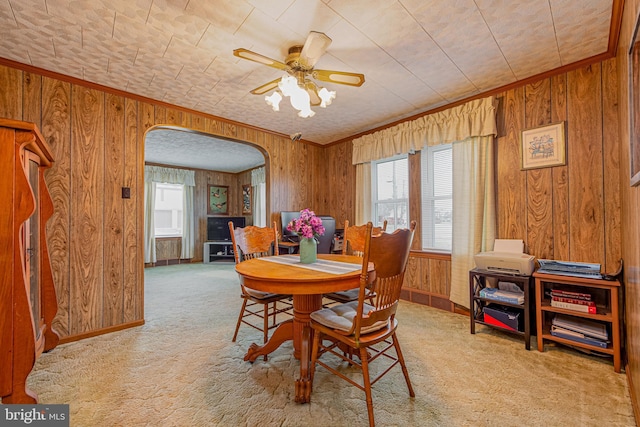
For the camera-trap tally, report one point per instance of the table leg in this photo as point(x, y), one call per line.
point(303, 384)
point(283, 333)
point(299, 331)
point(303, 306)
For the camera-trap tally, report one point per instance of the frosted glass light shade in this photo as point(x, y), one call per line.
point(274, 100)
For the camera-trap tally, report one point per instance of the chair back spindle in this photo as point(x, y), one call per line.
point(253, 242)
point(355, 235)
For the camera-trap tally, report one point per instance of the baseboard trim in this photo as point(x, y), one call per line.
point(78, 337)
point(427, 298)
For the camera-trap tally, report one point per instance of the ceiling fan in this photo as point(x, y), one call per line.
point(299, 65)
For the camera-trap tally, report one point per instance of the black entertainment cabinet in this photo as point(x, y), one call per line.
point(478, 281)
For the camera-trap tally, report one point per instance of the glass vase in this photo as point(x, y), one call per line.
point(308, 250)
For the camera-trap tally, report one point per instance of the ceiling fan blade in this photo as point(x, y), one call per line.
point(341, 77)
point(314, 47)
point(261, 90)
point(312, 90)
point(256, 57)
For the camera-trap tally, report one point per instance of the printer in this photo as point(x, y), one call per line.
point(507, 257)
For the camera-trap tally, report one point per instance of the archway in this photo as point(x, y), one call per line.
point(216, 161)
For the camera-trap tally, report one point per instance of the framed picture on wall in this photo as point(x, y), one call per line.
point(634, 105)
point(246, 199)
point(543, 146)
point(217, 200)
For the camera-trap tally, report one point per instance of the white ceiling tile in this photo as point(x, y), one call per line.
point(140, 34)
point(226, 14)
point(583, 32)
point(521, 27)
point(182, 52)
point(309, 15)
point(272, 8)
point(92, 14)
point(7, 17)
point(173, 19)
point(360, 13)
point(273, 43)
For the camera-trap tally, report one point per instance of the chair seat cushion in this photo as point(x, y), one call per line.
point(341, 317)
point(347, 296)
point(259, 294)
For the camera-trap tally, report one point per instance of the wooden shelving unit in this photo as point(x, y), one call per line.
point(478, 281)
point(607, 296)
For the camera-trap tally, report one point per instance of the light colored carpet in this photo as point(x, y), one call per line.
point(181, 369)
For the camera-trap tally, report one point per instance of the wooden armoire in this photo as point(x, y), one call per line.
point(27, 294)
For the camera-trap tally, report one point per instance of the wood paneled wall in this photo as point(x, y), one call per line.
point(630, 221)
point(569, 212)
point(200, 198)
point(95, 237)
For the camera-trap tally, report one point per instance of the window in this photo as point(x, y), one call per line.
point(168, 210)
point(437, 197)
point(391, 192)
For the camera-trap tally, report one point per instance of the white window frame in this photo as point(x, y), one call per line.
point(374, 193)
point(176, 232)
point(428, 198)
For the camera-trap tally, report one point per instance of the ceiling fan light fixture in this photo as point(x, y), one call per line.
point(326, 96)
point(299, 65)
point(298, 97)
point(274, 100)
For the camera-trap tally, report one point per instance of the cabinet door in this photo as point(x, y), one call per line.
point(31, 245)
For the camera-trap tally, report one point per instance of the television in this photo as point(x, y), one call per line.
point(218, 227)
point(324, 241)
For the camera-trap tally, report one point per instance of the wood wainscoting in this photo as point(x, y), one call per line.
point(427, 280)
point(168, 250)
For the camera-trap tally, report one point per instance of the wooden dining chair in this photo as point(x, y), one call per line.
point(353, 244)
point(355, 236)
point(255, 242)
point(367, 329)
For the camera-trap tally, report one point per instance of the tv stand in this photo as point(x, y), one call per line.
point(218, 250)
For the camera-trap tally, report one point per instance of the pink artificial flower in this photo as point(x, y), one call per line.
point(308, 225)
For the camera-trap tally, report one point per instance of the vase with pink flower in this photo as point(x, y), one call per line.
point(308, 226)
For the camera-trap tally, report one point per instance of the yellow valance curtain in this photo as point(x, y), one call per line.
point(474, 118)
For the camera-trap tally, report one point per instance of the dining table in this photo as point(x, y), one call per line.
point(284, 274)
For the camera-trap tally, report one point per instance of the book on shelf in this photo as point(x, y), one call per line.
point(568, 334)
point(500, 295)
point(575, 307)
point(574, 301)
point(570, 294)
point(580, 325)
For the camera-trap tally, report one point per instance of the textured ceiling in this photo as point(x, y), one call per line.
point(199, 151)
point(415, 54)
